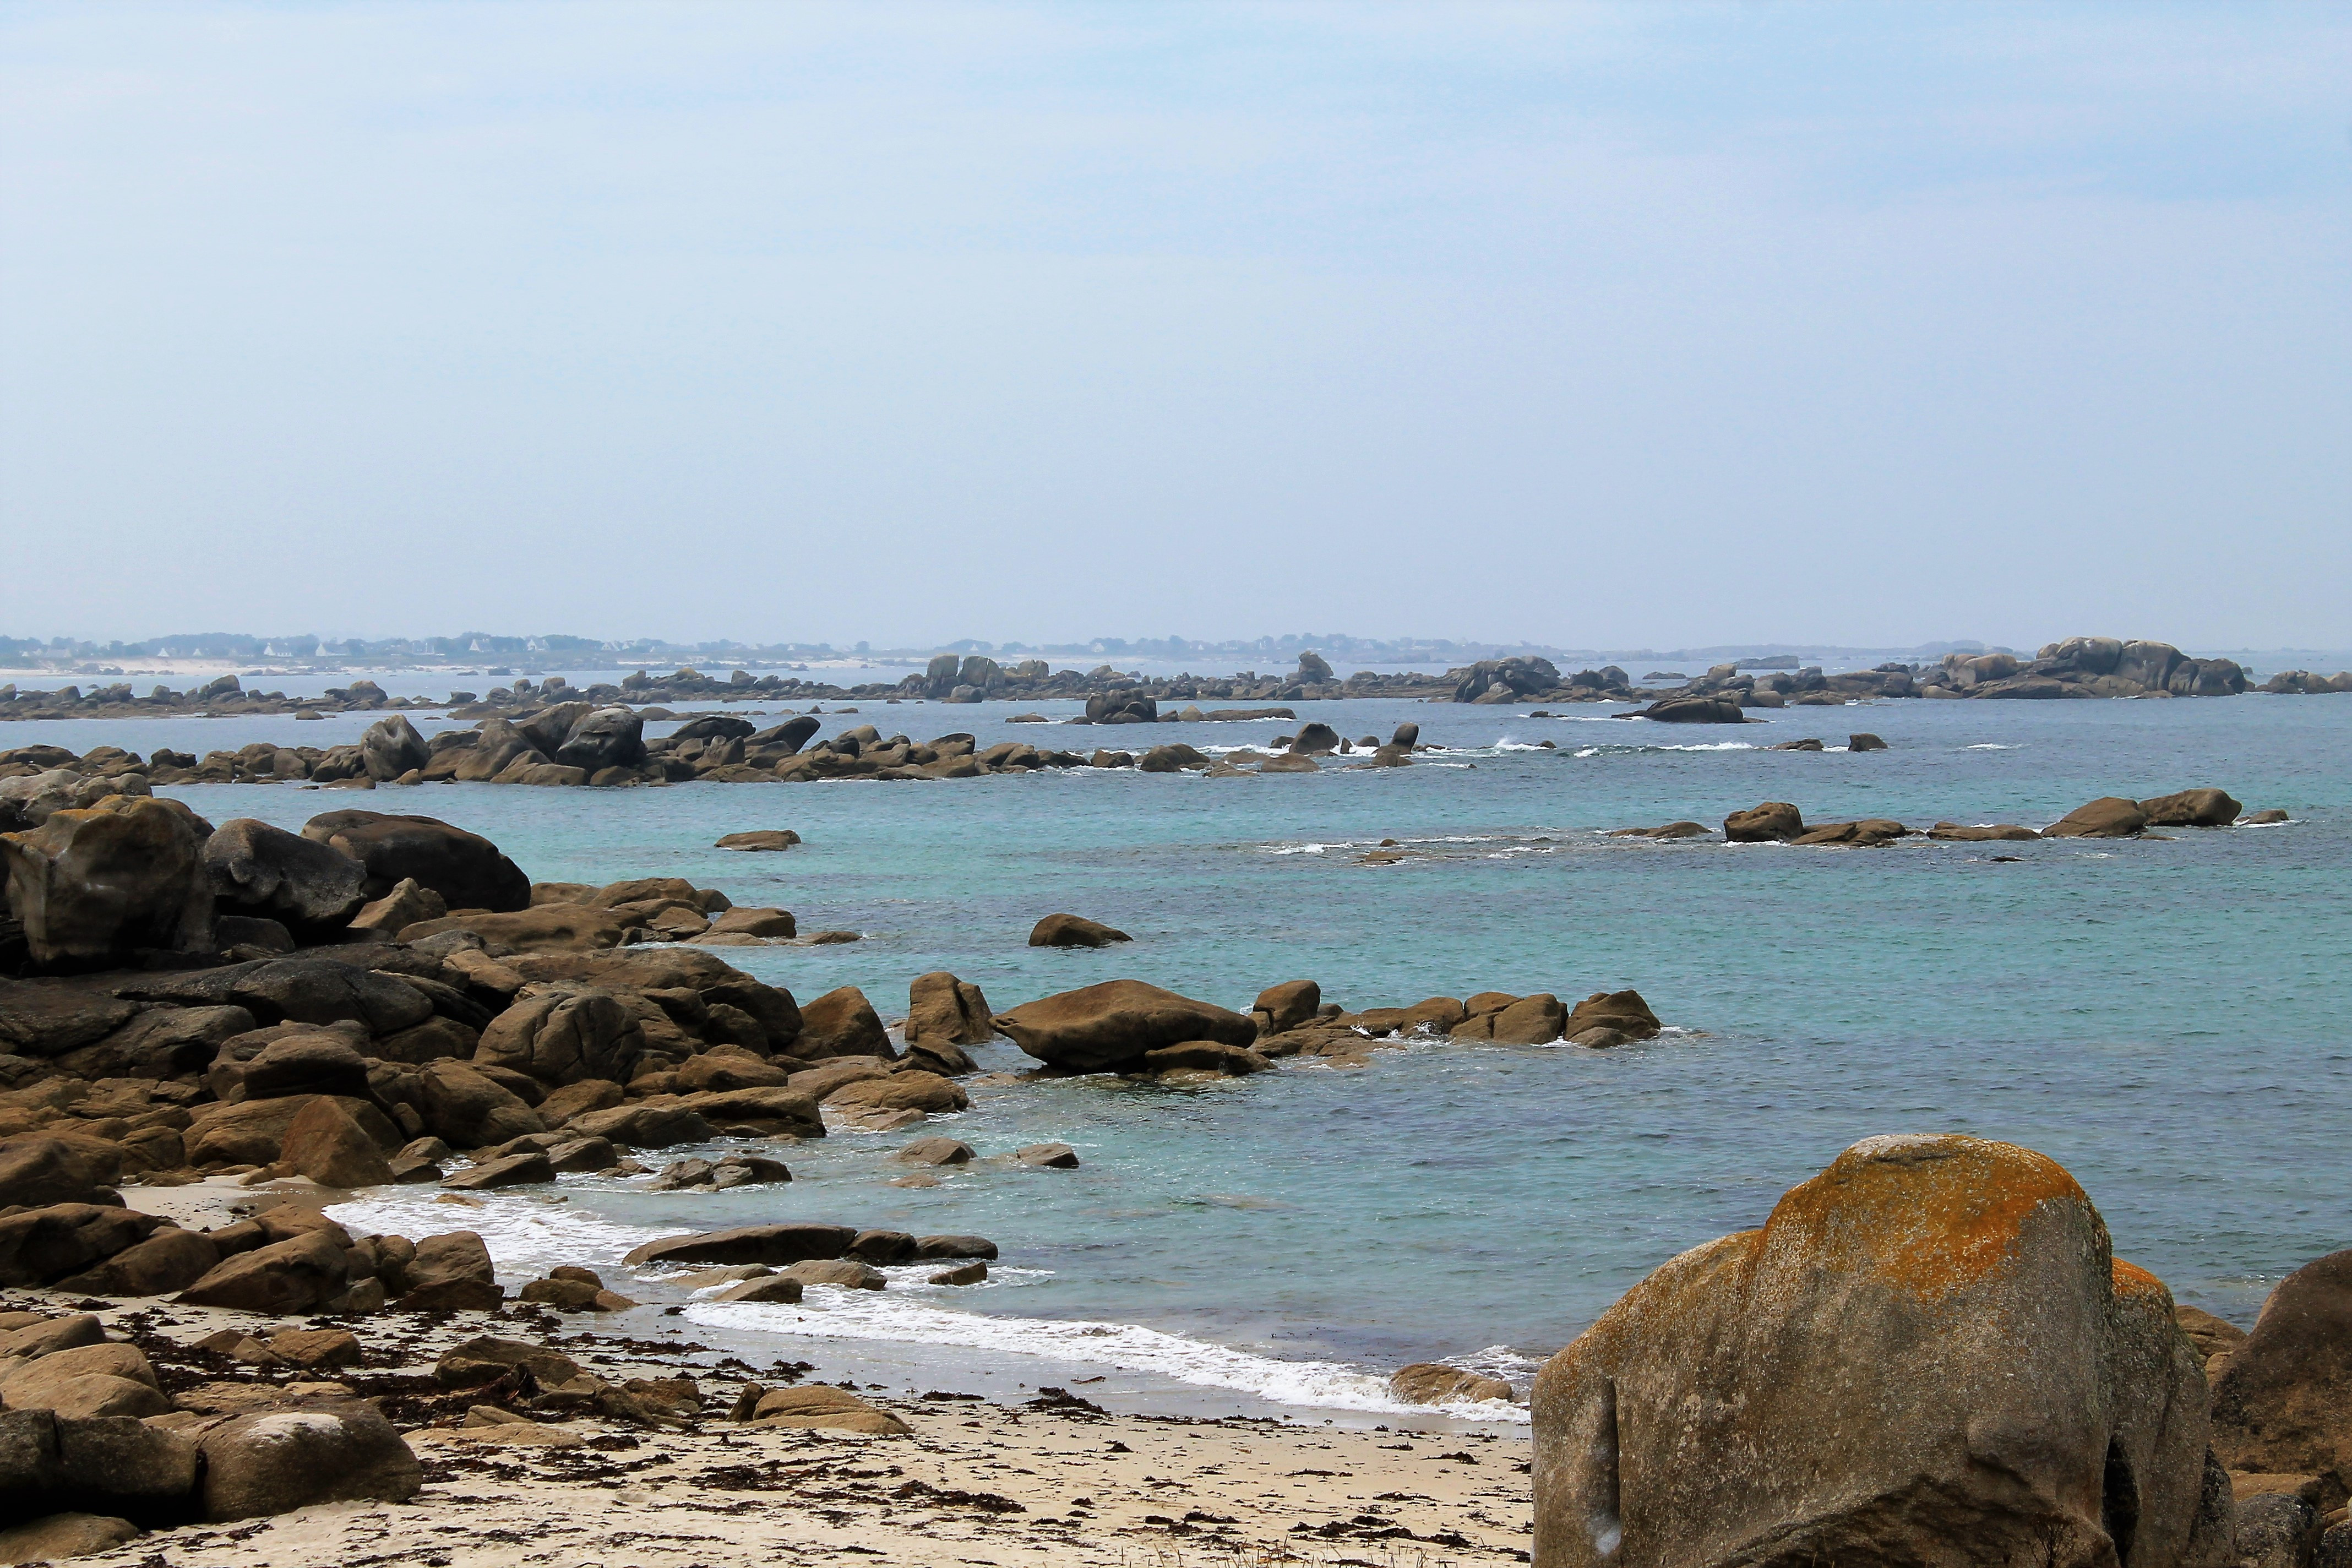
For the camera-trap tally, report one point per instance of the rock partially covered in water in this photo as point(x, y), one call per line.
point(2110, 816)
point(1105, 1028)
point(1074, 930)
point(2192, 808)
point(1775, 821)
point(1927, 1356)
point(1434, 1382)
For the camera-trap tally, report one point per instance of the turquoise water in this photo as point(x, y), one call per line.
point(2163, 1016)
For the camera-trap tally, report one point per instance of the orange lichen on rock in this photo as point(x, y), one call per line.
point(1932, 1214)
point(2131, 1279)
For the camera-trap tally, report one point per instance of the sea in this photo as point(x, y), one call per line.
point(2165, 1016)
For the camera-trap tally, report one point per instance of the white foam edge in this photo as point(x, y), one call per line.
point(826, 1312)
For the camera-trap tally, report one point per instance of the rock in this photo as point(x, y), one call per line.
point(37, 1170)
point(1670, 830)
point(773, 1244)
point(170, 1259)
point(83, 1382)
point(489, 1358)
point(563, 1034)
point(1104, 1027)
point(39, 1246)
point(1205, 1055)
point(1313, 737)
point(472, 1111)
point(2018, 1376)
point(298, 990)
point(578, 1098)
point(1808, 745)
point(1774, 821)
point(930, 1248)
point(818, 1407)
point(2267, 817)
point(548, 928)
point(844, 1273)
point(2274, 1529)
point(279, 1460)
point(2212, 1336)
point(120, 1463)
point(1177, 757)
point(842, 1023)
point(450, 1273)
point(302, 1062)
point(2110, 816)
point(1530, 1021)
point(1074, 930)
point(772, 1288)
point(509, 1171)
point(935, 1152)
point(1873, 833)
point(1286, 1007)
point(316, 1348)
point(1961, 832)
point(390, 747)
point(1622, 1011)
point(1046, 1157)
point(1865, 742)
point(728, 1068)
point(766, 838)
point(1693, 710)
point(2284, 1401)
point(607, 738)
point(466, 870)
point(964, 1274)
point(253, 1133)
point(1434, 1382)
point(324, 1143)
point(766, 1110)
point(96, 886)
point(50, 1019)
point(646, 1126)
point(910, 1090)
point(296, 1275)
point(62, 1535)
point(409, 904)
point(944, 1011)
point(770, 924)
point(2192, 808)
point(258, 870)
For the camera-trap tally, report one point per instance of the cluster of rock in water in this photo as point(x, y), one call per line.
point(577, 744)
point(2075, 667)
point(2110, 816)
point(2026, 1398)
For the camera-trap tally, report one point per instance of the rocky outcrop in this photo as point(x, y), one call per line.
point(2192, 808)
point(776, 1246)
point(95, 887)
point(2108, 818)
point(2021, 1394)
point(841, 1023)
point(946, 1014)
point(1074, 930)
point(2282, 1404)
point(1104, 1027)
point(1434, 1382)
point(1775, 821)
point(260, 870)
point(464, 868)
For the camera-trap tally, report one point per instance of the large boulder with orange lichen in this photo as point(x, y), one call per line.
point(1929, 1356)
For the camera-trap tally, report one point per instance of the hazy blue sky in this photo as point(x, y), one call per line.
point(1585, 324)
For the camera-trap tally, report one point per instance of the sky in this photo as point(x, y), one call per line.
point(1590, 325)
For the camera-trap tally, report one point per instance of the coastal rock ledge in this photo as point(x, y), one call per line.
point(1927, 1356)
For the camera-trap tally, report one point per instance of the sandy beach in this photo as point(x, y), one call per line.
point(1050, 1479)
